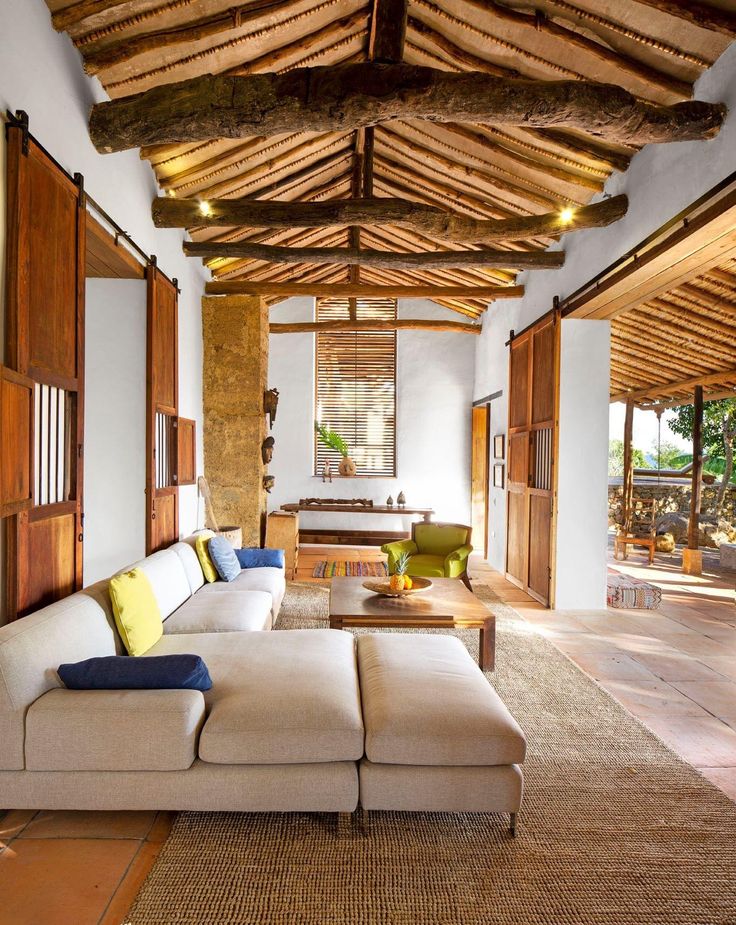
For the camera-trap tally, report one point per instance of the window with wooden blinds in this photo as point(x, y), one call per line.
point(356, 386)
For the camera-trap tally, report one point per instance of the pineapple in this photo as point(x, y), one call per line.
point(398, 579)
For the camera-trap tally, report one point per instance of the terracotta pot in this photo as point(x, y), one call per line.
point(347, 466)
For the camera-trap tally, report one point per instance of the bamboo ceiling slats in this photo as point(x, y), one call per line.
point(480, 171)
point(685, 334)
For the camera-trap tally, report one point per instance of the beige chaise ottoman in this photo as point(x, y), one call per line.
point(438, 738)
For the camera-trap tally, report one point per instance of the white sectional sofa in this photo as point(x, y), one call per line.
point(282, 728)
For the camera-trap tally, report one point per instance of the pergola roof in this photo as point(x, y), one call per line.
point(478, 171)
point(686, 336)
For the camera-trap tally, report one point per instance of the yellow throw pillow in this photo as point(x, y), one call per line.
point(137, 614)
point(203, 553)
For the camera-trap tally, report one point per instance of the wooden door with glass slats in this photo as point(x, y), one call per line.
point(479, 468)
point(45, 278)
point(162, 496)
point(531, 458)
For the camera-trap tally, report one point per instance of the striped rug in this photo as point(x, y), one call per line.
point(350, 569)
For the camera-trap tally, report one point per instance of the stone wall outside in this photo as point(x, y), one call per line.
point(671, 499)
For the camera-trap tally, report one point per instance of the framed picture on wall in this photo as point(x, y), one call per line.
point(498, 475)
point(499, 442)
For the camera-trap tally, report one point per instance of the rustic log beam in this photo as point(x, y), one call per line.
point(351, 256)
point(714, 18)
point(400, 324)
point(187, 213)
point(363, 291)
point(388, 31)
point(344, 97)
point(77, 12)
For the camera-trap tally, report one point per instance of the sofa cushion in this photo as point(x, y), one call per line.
point(201, 545)
point(255, 557)
point(271, 580)
point(277, 698)
point(30, 652)
point(113, 730)
point(168, 579)
point(222, 613)
point(118, 673)
point(224, 558)
point(425, 566)
point(137, 615)
point(426, 702)
point(190, 562)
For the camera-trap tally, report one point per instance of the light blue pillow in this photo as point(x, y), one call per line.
point(223, 555)
point(253, 557)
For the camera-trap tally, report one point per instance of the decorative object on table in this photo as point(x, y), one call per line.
point(400, 581)
point(627, 593)
point(333, 441)
point(270, 404)
point(498, 475)
point(282, 532)
point(268, 482)
point(349, 569)
point(327, 472)
point(389, 501)
point(435, 550)
point(385, 590)
point(401, 500)
point(499, 446)
point(344, 502)
point(234, 535)
point(267, 450)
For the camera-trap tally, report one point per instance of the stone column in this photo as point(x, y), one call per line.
point(235, 370)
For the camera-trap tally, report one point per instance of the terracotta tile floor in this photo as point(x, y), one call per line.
point(675, 669)
point(75, 868)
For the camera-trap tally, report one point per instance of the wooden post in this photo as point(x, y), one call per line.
point(692, 557)
point(628, 493)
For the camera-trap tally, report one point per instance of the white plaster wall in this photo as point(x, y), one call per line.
point(582, 479)
point(434, 397)
point(41, 72)
point(661, 181)
point(114, 426)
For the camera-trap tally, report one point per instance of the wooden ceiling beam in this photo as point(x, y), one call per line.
point(250, 213)
point(671, 388)
point(246, 287)
point(345, 97)
point(714, 18)
point(400, 324)
point(349, 256)
point(387, 31)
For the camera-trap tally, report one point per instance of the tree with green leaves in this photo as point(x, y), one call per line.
point(719, 434)
point(616, 458)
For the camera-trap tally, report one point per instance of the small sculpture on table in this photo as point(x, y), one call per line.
point(389, 501)
point(401, 500)
point(326, 472)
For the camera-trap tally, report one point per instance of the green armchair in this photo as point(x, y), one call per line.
point(435, 551)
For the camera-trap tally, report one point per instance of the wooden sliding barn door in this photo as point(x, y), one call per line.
point(45, 279)
point(531, 458)
point(162, 377)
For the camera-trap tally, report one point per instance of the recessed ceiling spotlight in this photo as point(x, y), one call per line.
point(204, 207)
point(567, 215)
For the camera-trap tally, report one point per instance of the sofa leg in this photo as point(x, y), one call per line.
point(344, 824)
point(512, 825)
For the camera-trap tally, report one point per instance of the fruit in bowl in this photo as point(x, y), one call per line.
point(399, 579)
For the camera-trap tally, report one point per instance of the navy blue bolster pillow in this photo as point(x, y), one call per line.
point(253, 557)
point(121, 672)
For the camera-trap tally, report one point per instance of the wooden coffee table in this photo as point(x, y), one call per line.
point(448, 603)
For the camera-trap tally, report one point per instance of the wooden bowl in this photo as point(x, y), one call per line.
point(379, 586)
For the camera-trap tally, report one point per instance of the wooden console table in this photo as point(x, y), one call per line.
point(354, 537)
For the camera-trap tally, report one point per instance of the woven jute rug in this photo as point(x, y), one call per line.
point(615, 829)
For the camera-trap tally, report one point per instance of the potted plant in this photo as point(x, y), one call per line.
point(335, 442)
